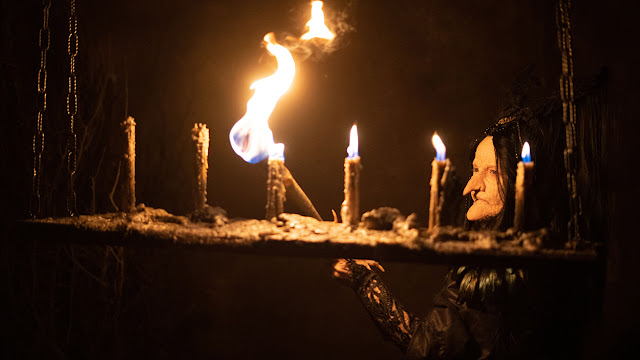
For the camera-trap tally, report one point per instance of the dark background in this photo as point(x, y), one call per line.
point(401, 70)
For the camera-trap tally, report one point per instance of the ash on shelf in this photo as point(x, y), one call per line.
point(384, 234)
point(387, 218)
point(210, 214)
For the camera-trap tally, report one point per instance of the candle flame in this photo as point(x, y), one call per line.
point(276, 152)
point(352, 150)
point(251, 138)
point(526, 152)
point(317, 28)
point(440, 148)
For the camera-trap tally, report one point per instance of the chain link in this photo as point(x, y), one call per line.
point(72, 108)
point(41, 102)
point(563, 24)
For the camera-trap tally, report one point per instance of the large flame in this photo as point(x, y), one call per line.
point(317, 28)
point(251, 137)
point(440, 148)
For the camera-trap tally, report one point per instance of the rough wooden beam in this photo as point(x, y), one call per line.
point(296, 235)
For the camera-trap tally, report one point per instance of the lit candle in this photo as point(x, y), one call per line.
point(275, 184)
point(350, 211)
point(200, 134)
point(439, 167)
point(524, 177)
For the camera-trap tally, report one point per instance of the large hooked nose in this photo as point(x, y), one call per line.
point(474, 185)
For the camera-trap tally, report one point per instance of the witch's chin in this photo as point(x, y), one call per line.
point(472, 216)
point(479, 212)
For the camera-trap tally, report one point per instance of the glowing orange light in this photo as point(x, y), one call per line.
point(317, 28)
point(251, 137)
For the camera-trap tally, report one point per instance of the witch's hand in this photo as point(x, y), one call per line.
point(352, 272)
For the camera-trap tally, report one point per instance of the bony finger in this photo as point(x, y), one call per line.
point(370, 263)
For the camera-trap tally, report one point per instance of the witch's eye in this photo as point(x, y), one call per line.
point(493, 172)
point(475, 170)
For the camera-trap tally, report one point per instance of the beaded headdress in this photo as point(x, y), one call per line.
point(505, 123)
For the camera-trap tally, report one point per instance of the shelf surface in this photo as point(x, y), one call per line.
point(296, 235)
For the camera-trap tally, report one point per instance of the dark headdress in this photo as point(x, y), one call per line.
point(538, 120)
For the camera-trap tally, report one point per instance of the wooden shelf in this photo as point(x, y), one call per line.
point(296, 235)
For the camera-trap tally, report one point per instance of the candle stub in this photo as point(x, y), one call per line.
point(350, 210)
point(200, 134)
point(275, 188)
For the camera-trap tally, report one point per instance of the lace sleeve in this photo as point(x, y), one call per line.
point(389, 315)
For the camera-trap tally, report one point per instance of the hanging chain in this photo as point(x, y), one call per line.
point(44, 41)
point(569, 118)
point(72, 108)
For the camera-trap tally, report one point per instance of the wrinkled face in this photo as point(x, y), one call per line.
point(483, 185)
